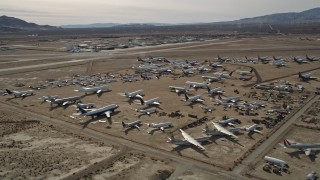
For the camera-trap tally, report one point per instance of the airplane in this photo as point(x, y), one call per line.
point(64, 101)
point(196, 98)
point(264, 60)
point(279, 63)
point(160, 126)
point(163, 70)
point(251, 59)
point(203, 69)
point(134, 124)
point(223, 130)
point(146, 111)
point(246, 78)
point(220, 102)
point(224, 59)
point(215, 91)
point(207, 108)
point(274, 161)
point(189, 140)
point(252, 129)
point(212, 78)
point(230, 98)
point(286, 88)
point(311, 58)
point(197, 84)
point(306, 77)
point(312, 176)
point(85, 105)
point(277, 58)
point(134, 94)
point(154, 101)
point(215, 65)
point(216, 132)
point(299, 60)
point(96, 90)
point(19, 93)
point(106, 110)
point(187, 72)
point(48, 98)
point(39, 87)
point(152, 59)
point(244, 72)
point(180, 89)
point(307, 148)
point(228, 122)
point(223, 74)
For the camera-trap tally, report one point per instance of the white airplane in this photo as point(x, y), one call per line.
point(19, 93)
point(196, 98)
point(224, 59)
point(223, 130)
point(312, 176)
point(307, 148)
point(48, 98)
point(179, 89)
point(64, 101)
point(299, 60)
point(223, 74)
point(311, 58)
point(190, 140)
point(134, 94)
point(216, 132)
point(96, 90)
point(279, 63)
point(306, 77)
point(197, 84)
point(212, 78)
point(274, 161)
point(251, 59)
point(228, 122)
point(225, 103)
point(187, 71)
point(154, 101)
point(216, 65)
point(160, 126)
point(264, 59)
point(244, 72)
point(215, 91)
point(286, 88)
point(106, 110)
point(84, 105)
point(229, 99)
point(146, 111)
point(202, 69)
point(252, 129)
point(134, 124)
point(207, 108)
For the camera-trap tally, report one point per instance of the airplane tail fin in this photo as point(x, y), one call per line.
point(186, 96)
point(286, 143)
point(141, 101)
point(246, 57)
point(300, 75)
point(81, 109)
point(123, 124)
point(8, 91)
point(251, 70)
point(208, 89)
point(231, 73)
point(139, 59)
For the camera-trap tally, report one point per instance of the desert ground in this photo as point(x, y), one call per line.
point(32, 63)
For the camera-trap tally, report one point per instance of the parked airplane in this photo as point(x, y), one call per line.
point(207, 108)
point(203, 69)
point(312, 176)
point(134, 124)
point(154, 101)
point(279, 63)
point(190, 140)
point(306, 77)
point(215, 65)
point(85, 105)
point(180, 89)
point(264, 59)
point(223, 74)
point(311, 58)
point(64, 101)
point(251, 59)
point(223, 130)
point(252, 129)
point(134, 94)
point(246, 78)
point(244, 72)
point(106, 110)
point(187, 72)
point(96, 90)
point(299, 60)
point(216, 132)
point(228, 122)
point(286, 88)
point(19, 93)
point(230, 98)
point(48, 98)
point(39, 87)
point(212, 78)
point(274, 161)
point(225, 103)
point(215, 91)
point(196, 98)
point(197, 84)
point(146, 111)
point(307, 148)
point(160, 126)
point(224, 59)
point(277, 58)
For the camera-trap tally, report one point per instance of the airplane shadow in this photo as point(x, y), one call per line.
point(295, 154)
point(85, 124)
point(191, 104)
point(130, 129)
point(180, 148)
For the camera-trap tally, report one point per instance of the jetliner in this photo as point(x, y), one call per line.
point(228, 122)
point(307, 148)
point(251, 59)
point(264, 59)
point(230, 98)
point(216, 132)
point(223, 130)
point(19, 93)
point(187, 72)
point(48, 98)
point(215, 65)
point(252, 129)
point(153, 59)
point(277, 58)
point(223, 74)
point(154, 101)
point(207, 108)
point(106, 110)
point(134, 124)
point(164, 70)
point(286, 88)
point(180, 89)
point(190, 140)
point(215, 91)
point(244, 72)
point(224, 59)
point(160, 126)
point(212, 78)
point(96, 90)
point(220, 102)
point(64, 101)
point(246, 78)
point(196, 98)
point(312, 176)
point(203, 69)
point(197, 84)
point(299, 60)
point(311, 58)
point(146, 111)
point(85, 105)
point(134, 94)
point(274, 161)
point(306, 77)
point(39, 87)
point(279, 63)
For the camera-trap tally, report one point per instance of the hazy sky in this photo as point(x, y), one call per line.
point(61, 12)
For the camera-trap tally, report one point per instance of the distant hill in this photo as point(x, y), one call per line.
point(107, 25)
point(11, 24)
point(312, 15)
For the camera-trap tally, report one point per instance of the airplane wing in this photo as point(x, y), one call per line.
point(136, 126)
point(162, 128)
point(156, 103)
point(108, 114)
point(138, 96)
point(257, 131)
point(65, 103)
point(191, 139)
point(23, 95)
point(224, 130)
point(99, 91)
point(307, 151)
